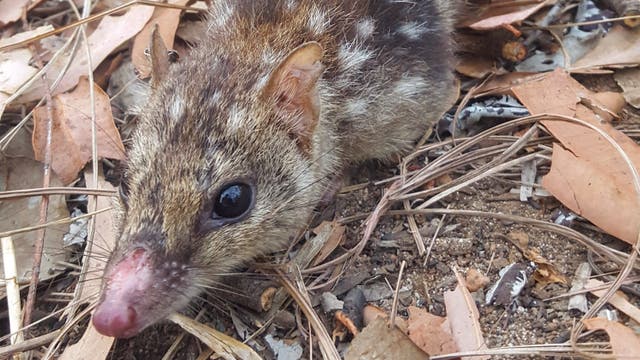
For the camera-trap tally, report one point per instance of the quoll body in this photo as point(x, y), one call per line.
point(240, 139)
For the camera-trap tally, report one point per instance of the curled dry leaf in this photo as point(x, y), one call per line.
point(497, 21)
point(71, 133)
point(624, 342)
point(546, 273)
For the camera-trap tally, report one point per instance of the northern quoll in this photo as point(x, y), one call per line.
point(240, 139)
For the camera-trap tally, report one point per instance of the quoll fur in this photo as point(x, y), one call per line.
point(282, 96)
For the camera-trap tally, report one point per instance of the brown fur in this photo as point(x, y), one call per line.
point(387, 77)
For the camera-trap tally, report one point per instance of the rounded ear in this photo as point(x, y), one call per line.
point(292, 87)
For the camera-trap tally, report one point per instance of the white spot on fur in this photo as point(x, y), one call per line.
point(365, 28)
point(351, 56)
point(176, 109)
point(409, 86)
point(357, 107)
point(236, 118)
point(221, 12)
point(291, 4)
point(262, 82)
point(269, 56)
point(413, 30)
point(317, 22)
point(215, 97)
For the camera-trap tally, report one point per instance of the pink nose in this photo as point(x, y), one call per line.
point(116, 321)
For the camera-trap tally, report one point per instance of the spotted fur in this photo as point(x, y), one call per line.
point(387, 77)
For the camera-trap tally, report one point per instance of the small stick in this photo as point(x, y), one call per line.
point(394, 307)
point(44, 200)
point(13, 291)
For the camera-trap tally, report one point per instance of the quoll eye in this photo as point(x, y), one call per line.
point(233, 201)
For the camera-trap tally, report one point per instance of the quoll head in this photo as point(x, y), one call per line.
point(219, 171)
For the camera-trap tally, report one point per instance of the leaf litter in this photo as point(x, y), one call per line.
point(574, 167)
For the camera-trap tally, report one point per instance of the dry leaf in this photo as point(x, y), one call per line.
point(463, 315)
point(618, 299)
point(15, 70)
point(371, 312)
point(105, 237)
point(431, 333)
point(24, 173)
point(224, 345)
point(91, 346)
point(109, 35)
point(587, 174)
point(332, 242)
point(621, 46)
point(378, 341)
point(167, 20)
point(15, 65)
point(11, 10)
point(497, 21)
point(475, 280)
point(71, 137)
point(475, 67)
point(546, 273)
point(624, 342)
point(629, 81)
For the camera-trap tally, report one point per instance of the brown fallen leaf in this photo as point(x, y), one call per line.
point(17, 172)
point(618, 299)
point(431, 333)
point(378, 341)
point(109, 35)
point(370, 313)
point(475, 280)
point(91, 346)
point(167, 20)
point(105, 235)
point(15, 65)
point(545, 273)
point(621, 47)
point(71, 137)
point(225, 346)
point(624, 342)
point(463, 315)
point(492, 22)
point(629, 81)
point(11, 10)
point(587, 174)
point(332, 242)
point(475, 67)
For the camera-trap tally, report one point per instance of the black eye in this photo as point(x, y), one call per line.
point(233, 201)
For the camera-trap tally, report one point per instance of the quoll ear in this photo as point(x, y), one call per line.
point(293, 88)
point(159, 57)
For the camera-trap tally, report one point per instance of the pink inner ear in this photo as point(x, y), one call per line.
point(294, 86)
